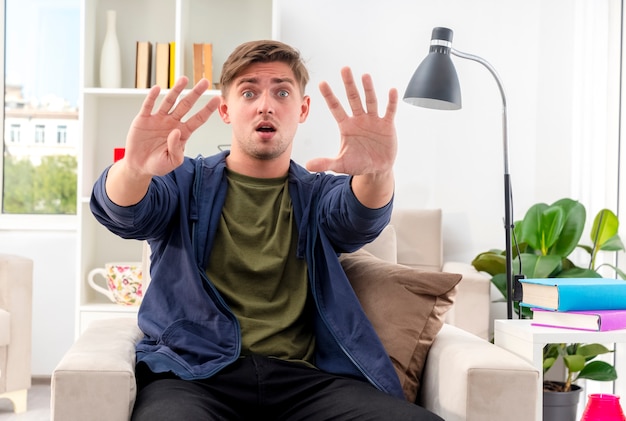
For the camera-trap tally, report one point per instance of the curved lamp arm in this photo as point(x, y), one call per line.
point(492, 70)
point(508, 223)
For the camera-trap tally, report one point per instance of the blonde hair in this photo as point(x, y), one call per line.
point(262, 51)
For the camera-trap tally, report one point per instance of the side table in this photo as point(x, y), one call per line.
point(527, 341)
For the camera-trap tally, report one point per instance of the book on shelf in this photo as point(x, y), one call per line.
point(172, 63)
point(203, 63)
point(566, 294)
point(197, 63)
point(207, 63)
point(162, 65)
point(143, 64)
point(593, 320)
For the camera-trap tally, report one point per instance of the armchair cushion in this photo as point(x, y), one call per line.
point(406, 307)
point(385, 246)
point(5, 328)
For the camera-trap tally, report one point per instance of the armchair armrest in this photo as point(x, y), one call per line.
point(95, 379)
point(468, 378)
point(16, 299)
point(471, 306)
point(5, 328)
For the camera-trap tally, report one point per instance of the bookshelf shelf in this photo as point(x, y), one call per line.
point(106, 114)
point(116, 93)
point(122, 93)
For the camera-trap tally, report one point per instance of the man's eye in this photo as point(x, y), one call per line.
point(248, 94)
point(283, 93)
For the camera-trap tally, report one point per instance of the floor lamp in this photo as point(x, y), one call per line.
point(435, 85)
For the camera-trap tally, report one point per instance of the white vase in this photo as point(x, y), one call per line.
point(110, 61)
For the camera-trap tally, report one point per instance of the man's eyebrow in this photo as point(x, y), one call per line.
point(252, 80)
point(275, 80)
point(278, 80)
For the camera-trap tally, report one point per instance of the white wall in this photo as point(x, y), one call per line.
point(552, 58)
point(545, 54)
point(54, 280)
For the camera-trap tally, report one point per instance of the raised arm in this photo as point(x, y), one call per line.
point(155, 143)
point(368, 142)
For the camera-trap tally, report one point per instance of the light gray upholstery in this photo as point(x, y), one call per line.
point(16, 297)
point(95, 380)
point(465, 376)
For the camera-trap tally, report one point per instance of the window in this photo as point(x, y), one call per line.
point(14, 133)
point(40, 133)
point(41, 61)
point(61, 135)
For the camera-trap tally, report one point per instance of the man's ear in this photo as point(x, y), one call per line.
point(223, 110)
point(305, 107)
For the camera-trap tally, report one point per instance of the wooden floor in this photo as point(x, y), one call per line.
point(38, 404)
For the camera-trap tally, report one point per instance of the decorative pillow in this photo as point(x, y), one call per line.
point(405, 305)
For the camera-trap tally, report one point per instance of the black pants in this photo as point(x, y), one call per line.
point(260, 388)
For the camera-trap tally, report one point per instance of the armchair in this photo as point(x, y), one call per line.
point(465, 377)
point(16, 279)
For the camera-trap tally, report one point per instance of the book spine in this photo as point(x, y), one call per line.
point(162, 65)
point(172, 64)
point(198, 67)
point(207, 60)
point(143, 65)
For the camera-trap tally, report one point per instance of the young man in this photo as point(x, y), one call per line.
point(249, 313)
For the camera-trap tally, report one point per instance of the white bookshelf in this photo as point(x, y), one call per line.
point(106, 114)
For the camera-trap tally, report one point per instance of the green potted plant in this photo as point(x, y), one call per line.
point(560, 398)
point(579, 361)
point(546, 238)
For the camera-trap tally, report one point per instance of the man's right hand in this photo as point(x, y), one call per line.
point(155, 144)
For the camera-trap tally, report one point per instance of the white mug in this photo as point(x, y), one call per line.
point(123, 282)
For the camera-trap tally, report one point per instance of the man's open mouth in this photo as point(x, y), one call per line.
point(266, 128)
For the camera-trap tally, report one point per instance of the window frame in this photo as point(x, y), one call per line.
point(26, 222)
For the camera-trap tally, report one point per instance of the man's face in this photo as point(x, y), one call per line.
point(264, 105)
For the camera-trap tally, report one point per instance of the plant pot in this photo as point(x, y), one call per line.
point(561, 406)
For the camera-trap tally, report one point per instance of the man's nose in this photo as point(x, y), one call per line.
point(265, 103)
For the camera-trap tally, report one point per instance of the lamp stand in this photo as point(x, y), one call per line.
point(508, 220)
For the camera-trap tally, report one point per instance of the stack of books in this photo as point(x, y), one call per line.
point(162, 61)
point(594, 304)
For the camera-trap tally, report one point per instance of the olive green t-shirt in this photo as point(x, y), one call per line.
point(253, 265)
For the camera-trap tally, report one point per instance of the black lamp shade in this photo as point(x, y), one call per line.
point(435, 83)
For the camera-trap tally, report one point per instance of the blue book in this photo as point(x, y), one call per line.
point(566, 294)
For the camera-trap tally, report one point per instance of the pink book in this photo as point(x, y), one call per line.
point(593, 320)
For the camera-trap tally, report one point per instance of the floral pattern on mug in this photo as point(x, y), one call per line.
point(125, 282)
